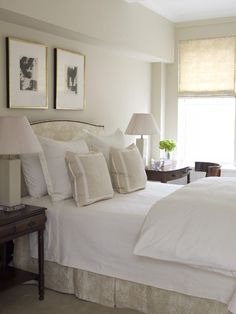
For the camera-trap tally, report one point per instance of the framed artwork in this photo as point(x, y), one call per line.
point(26, 74)
point(69, 80)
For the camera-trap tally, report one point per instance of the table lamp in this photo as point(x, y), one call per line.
point(142, 124)
point(16, 138)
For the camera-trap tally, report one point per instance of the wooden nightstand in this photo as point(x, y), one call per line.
point(15, 224)
point(168, 173)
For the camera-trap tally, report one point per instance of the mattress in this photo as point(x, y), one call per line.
point(100, 238)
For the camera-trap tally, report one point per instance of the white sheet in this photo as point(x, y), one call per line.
point(101, 237)
point(195, 226)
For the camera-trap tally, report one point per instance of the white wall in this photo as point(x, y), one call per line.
point(114, 23)
point(158, 105)
point(192, 30)
point(116, 86)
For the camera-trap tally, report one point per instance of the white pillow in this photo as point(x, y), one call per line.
point(54, 165)
point(104, 143)
point(33, 174)
point(90, 177)
point(127, 169)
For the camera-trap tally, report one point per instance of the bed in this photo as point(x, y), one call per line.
point(89, 252)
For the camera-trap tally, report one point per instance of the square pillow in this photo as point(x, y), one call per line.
point(127, 169)
point(54, 165)
point(90, 177)
point(104, 143)
point(33, 175)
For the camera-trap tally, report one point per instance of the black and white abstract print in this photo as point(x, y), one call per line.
point(28, 73)
point(72, 79)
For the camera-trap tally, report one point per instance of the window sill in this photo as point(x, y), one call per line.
point(227, 170)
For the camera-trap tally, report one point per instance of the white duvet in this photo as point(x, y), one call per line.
point(195, 225)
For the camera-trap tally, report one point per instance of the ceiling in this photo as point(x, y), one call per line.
point(190, 10)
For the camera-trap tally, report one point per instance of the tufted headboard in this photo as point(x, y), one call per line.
point(64, 130)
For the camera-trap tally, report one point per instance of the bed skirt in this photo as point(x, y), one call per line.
point(114, 292)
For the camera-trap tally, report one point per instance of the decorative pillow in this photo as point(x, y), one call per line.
point(54, 165)
point(127, 169)
point(104, 143)
point(90, 177)
point(33, 174)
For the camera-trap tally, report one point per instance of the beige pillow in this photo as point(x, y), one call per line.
point(127, 169)
point(90, 177)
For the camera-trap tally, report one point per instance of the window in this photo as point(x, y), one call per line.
point(206, 105)
point(206, 129)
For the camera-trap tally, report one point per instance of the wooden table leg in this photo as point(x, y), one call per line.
point(188, 177)
point(3, 255)
point(41, 264)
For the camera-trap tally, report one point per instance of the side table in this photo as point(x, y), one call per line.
point(168, 173)
point(15, 224)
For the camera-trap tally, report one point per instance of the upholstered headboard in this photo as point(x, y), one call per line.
point(64, 130)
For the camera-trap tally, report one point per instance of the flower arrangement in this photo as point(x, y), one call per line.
point(168, 146)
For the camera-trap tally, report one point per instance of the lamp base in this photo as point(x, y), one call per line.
point(10, 182)
point(141, 143)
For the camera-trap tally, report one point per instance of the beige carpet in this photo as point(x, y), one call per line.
point(23, 299)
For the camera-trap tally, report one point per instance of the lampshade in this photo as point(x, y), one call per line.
point(142, 124)
point(17, 136)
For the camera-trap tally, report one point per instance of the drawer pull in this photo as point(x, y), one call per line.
point(173, 175)
point(31, 224)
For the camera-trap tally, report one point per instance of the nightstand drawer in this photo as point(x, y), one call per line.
point(168, 173)
point(23, 226)
point(176, 174)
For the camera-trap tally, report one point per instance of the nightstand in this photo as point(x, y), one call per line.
point(15, 224)
point(168, 173)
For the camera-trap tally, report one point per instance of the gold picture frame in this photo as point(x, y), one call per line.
point(26, 74)
point(69, 78)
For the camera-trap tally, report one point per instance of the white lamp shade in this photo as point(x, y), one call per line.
point(142, 124)
point(17, 137)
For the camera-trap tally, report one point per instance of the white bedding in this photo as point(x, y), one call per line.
point(195, 225)
point(101, 237)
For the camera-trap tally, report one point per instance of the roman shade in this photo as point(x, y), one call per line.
point(207, 67)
